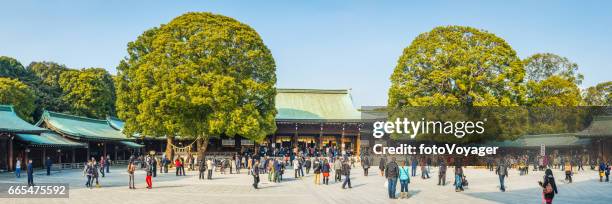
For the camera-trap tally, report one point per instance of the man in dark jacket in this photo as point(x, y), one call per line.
point(48, 164)
point(202, 168)
point(502, 172)
point(346, 171)
point(365, 164)
point(442, 173)
point(392, 173)
point(307, 165)
point(255, 173)
point(30, 173)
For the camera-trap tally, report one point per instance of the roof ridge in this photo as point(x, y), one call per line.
point(76, 117)
point(7, 107)
point(323, 91)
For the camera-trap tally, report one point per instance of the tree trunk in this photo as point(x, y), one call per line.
point(169, 149)
point(202, 146)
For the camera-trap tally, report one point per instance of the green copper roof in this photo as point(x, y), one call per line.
point(115, 123)
point(132, 145)
point(81, 128)
point(48, 140)
point(10, 122)
point(315, 104)
point(550, 140)
point(600, 127)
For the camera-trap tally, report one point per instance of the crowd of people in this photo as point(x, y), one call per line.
point(333, 163)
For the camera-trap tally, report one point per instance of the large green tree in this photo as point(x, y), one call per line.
point(47, 87)
point(598, 95)
point(552, 80)
point(459, 67)
point(11, 68)
point(456, 65)
point(89, 92)
point(18, 94)
point(201, 75)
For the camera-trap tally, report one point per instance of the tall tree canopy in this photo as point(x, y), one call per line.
point(552, 80)
point(89, 92)
point(47, 87)
point(200, 75)
point(598, 95)
point(541, 66)
point(457, 65)
point(18, 94)
point(11, 68)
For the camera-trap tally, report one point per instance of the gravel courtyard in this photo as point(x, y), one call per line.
point(236, 188)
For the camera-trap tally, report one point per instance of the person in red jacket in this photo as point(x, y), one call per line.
point(178, 165)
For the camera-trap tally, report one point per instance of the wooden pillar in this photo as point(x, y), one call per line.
point(73, 155)
point(104, 152)
point(10, 154)
point(88, 150)
point(294, 139)
point(358, 142)
point(44, 156)
point(115, 147)
point(342, 148)
point(320, 139)
point(59, 154)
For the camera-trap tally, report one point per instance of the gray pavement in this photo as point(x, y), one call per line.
point(236, 188)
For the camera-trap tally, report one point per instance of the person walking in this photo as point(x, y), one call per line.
point(549, 188)
point(202, 169)
point(316, 168)
point(502, 172)
point(424, 170)
point(365, 164)
point(296, 168)
point(346, 171)
point(602, 170)
point(48, 164)
point(153, 165)
point(209, 168)
point(102, 164)
point(568, 171)
point(166, 163)
point(392, 173)
point(108, 163)
point(255, 174)
point(415, 163)
point(458, 177)
point(18, 168)
point(442, 173)
point(30, 173)
point(307, 165)
point(404, 178)
point(381, 165)
point(149, 171)
point(325, 168)
point(338, 170)
point(88, 172)
point(177, 164)
point(95, 174)
point(131, 169)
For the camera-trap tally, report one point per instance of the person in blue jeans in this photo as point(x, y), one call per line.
point(404, 178)
point(30, 173)
point(415, 163)
point(392, 173)
point(18, 168)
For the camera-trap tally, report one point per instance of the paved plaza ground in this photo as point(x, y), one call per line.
point(236, 188)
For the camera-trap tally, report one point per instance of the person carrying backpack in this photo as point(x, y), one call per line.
point(404, 177)
point(549, 188)
point(392, 173)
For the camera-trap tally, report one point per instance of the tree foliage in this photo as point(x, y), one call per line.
point(456, 65)
point(598, 95)
point(18, 94)
point(541, 66)
point(11, 68)
point(89, 92)
point(47, 87)
point(200, 75)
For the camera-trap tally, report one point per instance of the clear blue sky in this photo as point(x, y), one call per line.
point(316, 44)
